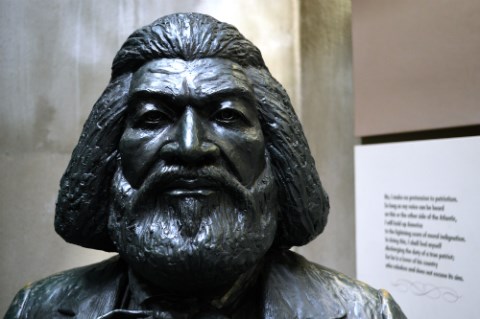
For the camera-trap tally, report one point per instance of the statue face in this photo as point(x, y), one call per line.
point(194, 199)
point(194, 113)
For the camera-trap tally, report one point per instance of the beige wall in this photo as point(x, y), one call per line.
point(327, 117)
point(55, 62)
point(417, 65)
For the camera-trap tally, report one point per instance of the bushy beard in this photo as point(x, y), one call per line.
point(187, 243)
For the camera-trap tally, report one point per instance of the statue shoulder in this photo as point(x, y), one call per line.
point(69, 290)
point(304, 289)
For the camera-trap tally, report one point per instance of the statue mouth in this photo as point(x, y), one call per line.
point(191, 187)
point(178, 181)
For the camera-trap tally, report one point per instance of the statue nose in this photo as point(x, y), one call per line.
point(189, 144)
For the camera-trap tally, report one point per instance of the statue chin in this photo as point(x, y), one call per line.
point(187, 243)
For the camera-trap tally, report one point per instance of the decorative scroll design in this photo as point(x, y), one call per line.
point(427, 290)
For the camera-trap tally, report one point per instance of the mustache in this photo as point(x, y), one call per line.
point(165, 177)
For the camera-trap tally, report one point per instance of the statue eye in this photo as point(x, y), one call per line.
point(152, 118)
point(228, 116)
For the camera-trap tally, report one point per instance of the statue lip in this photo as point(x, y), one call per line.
point(196, 186)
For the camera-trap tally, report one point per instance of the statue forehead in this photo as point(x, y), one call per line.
point(200, 77)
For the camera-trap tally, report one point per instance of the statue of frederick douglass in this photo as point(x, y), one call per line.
point(194, 167)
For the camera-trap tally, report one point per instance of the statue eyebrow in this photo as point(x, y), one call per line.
point(214, 95)
point(150, 93)
point(165, 70)
point(238, 92)
point(147, 94)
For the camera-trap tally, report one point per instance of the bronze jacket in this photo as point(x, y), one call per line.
point(291, 288)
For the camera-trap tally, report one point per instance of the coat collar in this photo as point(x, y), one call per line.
point(292, 288)
point(96, 291)
point(297, 288)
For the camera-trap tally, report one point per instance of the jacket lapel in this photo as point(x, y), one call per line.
point(98, 293)
point(296, 288)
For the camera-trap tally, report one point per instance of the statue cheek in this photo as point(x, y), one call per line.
point(246, 153)
point(138, 152)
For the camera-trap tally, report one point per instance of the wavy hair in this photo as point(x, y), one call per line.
point(82, 207)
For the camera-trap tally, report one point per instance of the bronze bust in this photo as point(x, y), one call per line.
point(194, 167)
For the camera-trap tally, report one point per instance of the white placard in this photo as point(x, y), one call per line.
point(418, 224)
